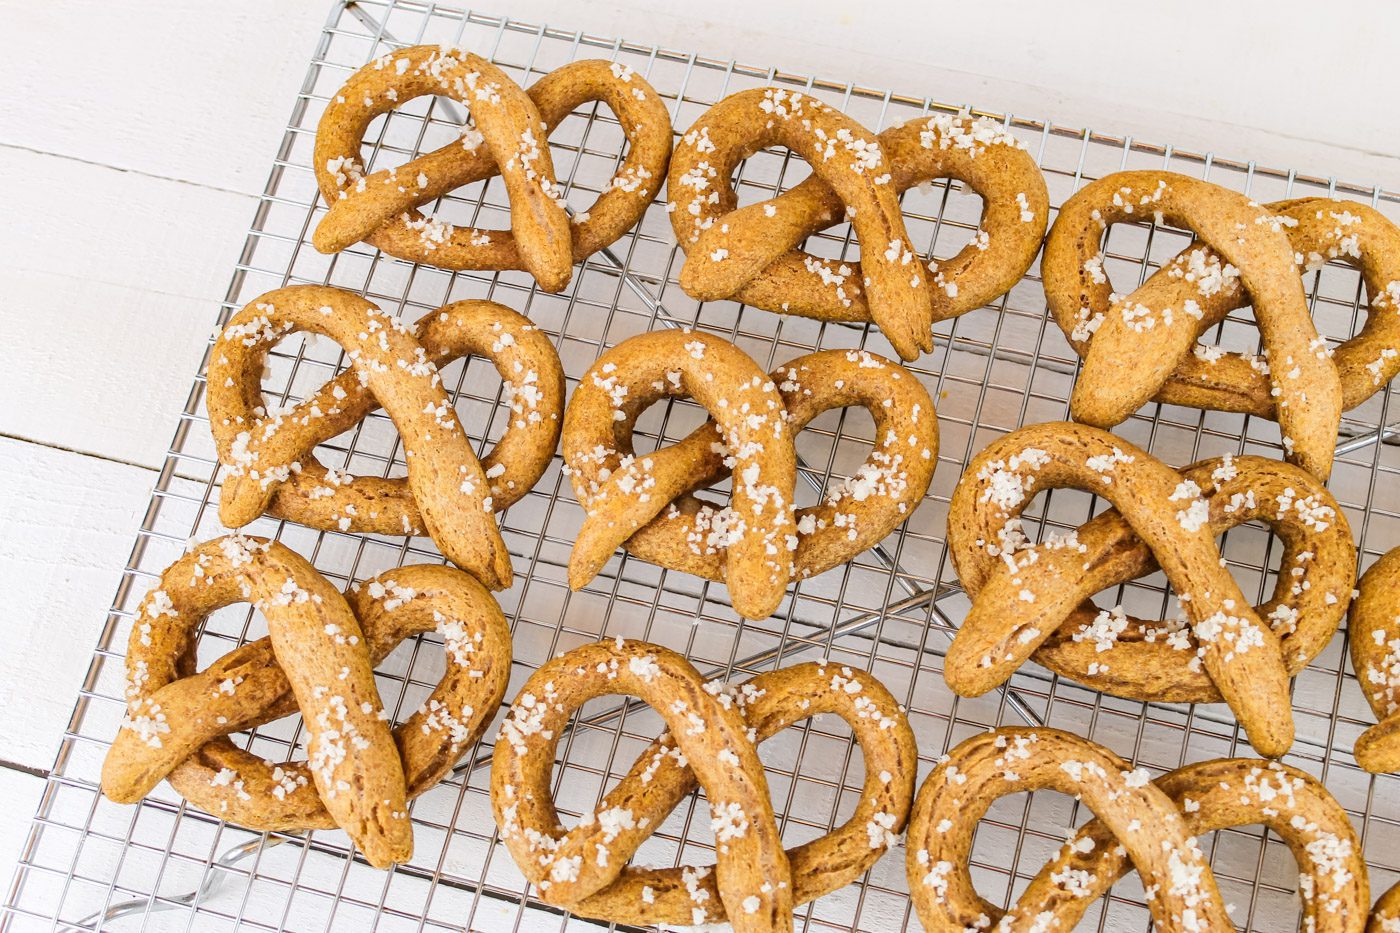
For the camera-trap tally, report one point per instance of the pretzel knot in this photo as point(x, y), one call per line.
point(1035, 601)
point(268, 452)
point(508, 135)
point(1144, 345)
point(317, 659)
point(751, 254)
point(1140, 824)
point(711, 741)
point(1375, 654)
point(759, 542)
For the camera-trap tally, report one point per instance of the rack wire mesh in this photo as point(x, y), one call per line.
point(163, 865)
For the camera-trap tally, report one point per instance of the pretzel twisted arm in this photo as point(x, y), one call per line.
point(533, 382)
point(317, 642)
point(1375, 654)
point(848, 160)
point(566, 865)
point(1153, 660)
point(180, 720)
point(1134, 356)
point(621, 492)
point(386, 215)
point(1221, 794)
point(1240, 652)
point(262, 450)
point(508, 126)
point(1180, 889)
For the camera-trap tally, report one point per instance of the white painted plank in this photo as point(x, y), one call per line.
point(188, 89)
point(1227, 81)
point(108, 310)
point(21, 792)
point(66, 529)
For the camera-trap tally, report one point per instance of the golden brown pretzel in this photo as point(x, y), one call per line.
point(1385, 916)
point(1375, 654)
point(1029, 600)
point(269, 460)
point(509, 136)
point(318, 658)
point(710, 742)
point(1140, 824)
point(750, 254)
point(645, 503)
point(1140, 345)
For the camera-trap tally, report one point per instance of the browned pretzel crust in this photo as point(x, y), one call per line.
point(1139, 346)
point(1140, 824)
point(509, 135)
point(712, 733)
point(318, 660)
point(1375, 654)
point(751, 254)
point(269, 457)
point(1385, 916)
point(645, 503)
point(1035, 600)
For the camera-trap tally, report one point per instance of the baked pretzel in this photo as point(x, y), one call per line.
point(268, 454)
point(1140, 824)
point(758, 543)
point(1035, 601)
point(751, 254)
point(317, 659)
point(508, 135)
point(1143, 345)
point(1385, 915)
point(711, 739)
point(1375, 654)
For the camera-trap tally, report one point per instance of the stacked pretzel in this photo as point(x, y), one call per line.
point(1144, 345)
point(711, 742)
point(317, 659)
point(1140, 824)
point(760, 541)
point(268, 453)
point(508, 136)
point(1034, 601)
point(751, 253)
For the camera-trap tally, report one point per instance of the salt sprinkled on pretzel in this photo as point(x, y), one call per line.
point(1144, 345)
point(268, 454)
point(1140, 823)
point(759, 541)
point(1034, 601)
point(508, 135)
point(712, 732)
point(1375, 654)
point(317, 659)
point(751, 254)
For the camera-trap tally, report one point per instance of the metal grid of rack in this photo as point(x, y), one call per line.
point(163, 865)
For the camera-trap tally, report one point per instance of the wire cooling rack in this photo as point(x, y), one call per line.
point(162, 865)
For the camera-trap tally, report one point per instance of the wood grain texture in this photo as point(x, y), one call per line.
point(66, 527)
point(184, 89)
point(128, 301)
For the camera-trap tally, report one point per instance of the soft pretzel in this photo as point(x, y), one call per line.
point(1375, 654)
point(751, 253)
point(509, 135)
point(1036, 600)
point(317, 659)
point(1139, 824)
point(757, 544)
point(1385, 915)
point(1143, 345)
point(711, 739)
point(268, 454)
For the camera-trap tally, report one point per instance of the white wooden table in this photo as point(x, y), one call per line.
point(134, 139)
